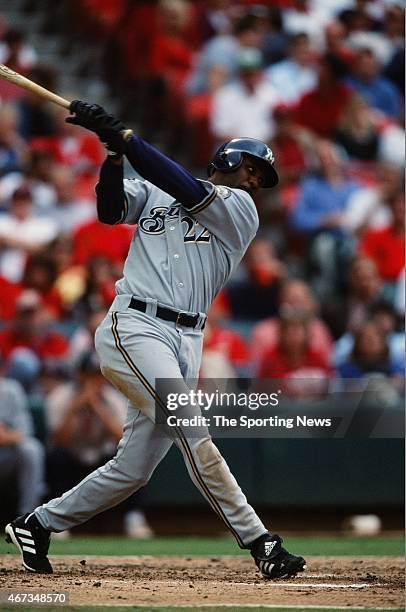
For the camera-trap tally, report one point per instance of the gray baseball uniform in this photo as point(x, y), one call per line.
point(178, 259)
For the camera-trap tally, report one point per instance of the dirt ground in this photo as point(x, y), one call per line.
point(332, 581)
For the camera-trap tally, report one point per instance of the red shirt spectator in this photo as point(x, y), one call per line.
point(322, 114)
point(31, 329)
point(278, 364)
point(296, 360)
point(9, 293)
point(227, 342)
point(387, 246)
point(320, 109)
point(95, 239)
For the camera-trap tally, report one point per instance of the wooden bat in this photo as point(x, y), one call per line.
point(22, 81)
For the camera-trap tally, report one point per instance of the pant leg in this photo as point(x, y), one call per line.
point(139, 451)
point(135, 353)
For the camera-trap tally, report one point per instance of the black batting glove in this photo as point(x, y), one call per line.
point(93, 117)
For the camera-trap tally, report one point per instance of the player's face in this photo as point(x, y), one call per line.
point(249, 176)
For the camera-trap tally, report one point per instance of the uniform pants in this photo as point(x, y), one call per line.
point(136, 350)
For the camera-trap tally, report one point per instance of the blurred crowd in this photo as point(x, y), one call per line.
point(320, 292)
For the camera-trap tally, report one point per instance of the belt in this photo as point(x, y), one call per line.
point(167, 314)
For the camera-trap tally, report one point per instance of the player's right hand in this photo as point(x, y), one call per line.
point(93, 117)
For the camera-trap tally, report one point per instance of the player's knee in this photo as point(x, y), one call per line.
point(130, 476)
point(207, 454)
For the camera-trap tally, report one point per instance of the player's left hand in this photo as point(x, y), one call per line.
point(93, 117)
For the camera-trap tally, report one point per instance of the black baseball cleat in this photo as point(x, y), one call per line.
point(32, 540)
point(274, 561)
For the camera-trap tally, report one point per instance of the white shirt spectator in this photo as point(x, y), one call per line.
point(312, 22)
point(33, 232)
point(392, 145)
point(89, 442)
point(236, 111)
point(43, 194)
point(291, 80)
point(365, 209)
point(70, 215)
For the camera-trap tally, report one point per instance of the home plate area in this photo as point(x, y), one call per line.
point(364, 582)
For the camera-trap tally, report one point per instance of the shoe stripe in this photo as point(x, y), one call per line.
point(29, 516)
point(27, 541)
point(29, 549)
point(23, 531)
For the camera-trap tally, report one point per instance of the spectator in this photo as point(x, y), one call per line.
point(254, 297)
point(294, 359)
point(40, 274)
point(358, 132)
point(369, 207)
point(392, 145)
point(79, 150)
point(296, 299)
point(245, 105)
point(32, 328)
point(275, 44)
point(370, 355)
point(386, 247)
point(296, 75)
point(22, 465)
point(217, 16)
point(364, 289)
point(217, 61)
point(22, 233)
point(367, 81)
point(82, 340)
point(99, 287)
point(16, 52)
point(301, 16)
point(69, 212)
point(288, 147)
point(35, 117)
point(94, 239)
point(319, 215)
point(70, 277)
point(384, 316)
point(36, 175)
point(223, 345)
point(335, 41)
point(321, 109)
point(13, 149)
point(9, 293)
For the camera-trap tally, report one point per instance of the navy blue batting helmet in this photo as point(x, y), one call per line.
point(230, 155)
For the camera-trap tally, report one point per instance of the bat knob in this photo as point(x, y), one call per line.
point(127, 134)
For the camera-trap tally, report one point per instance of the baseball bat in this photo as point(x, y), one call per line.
point(22, 81)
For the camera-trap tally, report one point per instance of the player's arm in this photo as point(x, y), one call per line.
point(150, 163)
point(119, 200)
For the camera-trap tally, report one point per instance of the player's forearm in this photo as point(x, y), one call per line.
point(163, 172)
point(110, 193)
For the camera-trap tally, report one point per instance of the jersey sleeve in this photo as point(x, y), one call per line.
point(228, 214)
point(136, 194)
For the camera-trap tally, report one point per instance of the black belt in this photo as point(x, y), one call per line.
point(167, 314)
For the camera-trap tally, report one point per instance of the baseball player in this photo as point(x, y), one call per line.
point(191, 236)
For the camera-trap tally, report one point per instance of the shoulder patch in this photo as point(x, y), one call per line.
point(223, 191)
